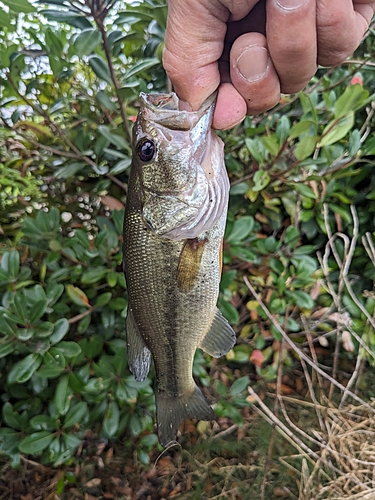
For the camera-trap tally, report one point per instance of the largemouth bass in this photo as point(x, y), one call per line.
point(173, 230)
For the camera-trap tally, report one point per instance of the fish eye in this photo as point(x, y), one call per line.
point(146, 150)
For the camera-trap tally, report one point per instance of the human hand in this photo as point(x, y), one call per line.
point(254, 49)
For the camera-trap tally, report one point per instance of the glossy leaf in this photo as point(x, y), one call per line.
point(100, 68)
point(24, 369)
point(36, 442)
point(76, 414)
point(337, 130)
point(77, 295)
point(87, 41)
point(242, 227)
point(111, 420)
point(61, 328)
point(19, 6)
point(62, 395)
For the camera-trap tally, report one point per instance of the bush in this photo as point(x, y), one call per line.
point(68, 98)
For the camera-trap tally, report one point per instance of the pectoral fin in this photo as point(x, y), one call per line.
point(188, 266)
point(220, 338)
point(139, 357)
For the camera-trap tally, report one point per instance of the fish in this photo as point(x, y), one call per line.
point(174, 223)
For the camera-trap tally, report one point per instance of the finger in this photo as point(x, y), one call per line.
point(291, 39)
point(253, 74)
point(230, 108)
point(341, 25)
point(193, 44)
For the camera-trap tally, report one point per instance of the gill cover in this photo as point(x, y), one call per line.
point(181, 169)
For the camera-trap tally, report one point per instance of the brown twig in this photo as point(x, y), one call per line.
point(100, 24)
point(300, 353)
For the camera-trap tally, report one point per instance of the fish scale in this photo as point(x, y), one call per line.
point(173, 281)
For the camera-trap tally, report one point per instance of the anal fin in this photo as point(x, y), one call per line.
point(220, 338)
point(139, 356)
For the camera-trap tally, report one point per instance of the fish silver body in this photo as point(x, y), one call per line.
point(173, 230)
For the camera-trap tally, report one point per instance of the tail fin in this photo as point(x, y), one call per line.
point(170, 411)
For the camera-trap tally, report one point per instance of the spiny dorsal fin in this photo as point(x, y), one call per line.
point(188, 266)
point(220, 338)
point(139, 357)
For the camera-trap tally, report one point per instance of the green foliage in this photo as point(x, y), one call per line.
point(68, 99)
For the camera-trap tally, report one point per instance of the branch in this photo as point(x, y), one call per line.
point(100, 24)
point(300, 353)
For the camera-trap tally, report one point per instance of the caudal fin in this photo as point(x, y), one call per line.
point(170, 411)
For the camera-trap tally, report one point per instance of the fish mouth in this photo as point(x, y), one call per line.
point(165, 110)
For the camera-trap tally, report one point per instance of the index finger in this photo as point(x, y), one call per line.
point(194, 42)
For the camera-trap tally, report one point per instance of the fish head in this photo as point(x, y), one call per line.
point(175, 154)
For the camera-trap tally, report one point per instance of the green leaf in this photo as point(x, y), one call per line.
point(61, 328)
point(24, 369)
point(241, 229)
point(238, 189)
point(43, 423)
point(113, 138)
point(271, 144)
point(229, 312)
point(38, 310)
point(100, 68)
point(76, 414)
point(87, 41)
point(6, 347)
point(71, 18)
point(105, 101)
point(149, 440)
point(342, 212)
point(256, 149)
point(8, 326)
point(111, 420)
point(68, 349)
point(19, 6)
point(103, 299)
point(112, 279)
point(13, 263)
point(277, 265)
point(337, 129)
point(62, 395)
point(36, 442)
point(349, 100)
point(301, 128)
point(5, 19)
point(301, 299)
point(77, 295)
point(239, 385)
point(69, 170)
point(140, 66)
point(305, 191)
point(11, 417)
point(261, 180)
point(305, 147)
point(53, 364)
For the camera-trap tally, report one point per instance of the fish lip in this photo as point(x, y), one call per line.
point(163, 109)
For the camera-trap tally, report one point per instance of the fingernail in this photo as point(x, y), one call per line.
point(253, 63)
point(291, 4)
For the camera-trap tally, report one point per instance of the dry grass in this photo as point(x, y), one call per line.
point(335, 445)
